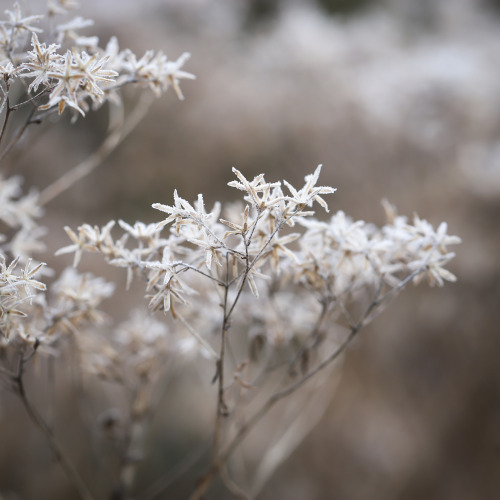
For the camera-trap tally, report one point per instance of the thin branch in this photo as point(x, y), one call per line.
point(18, 135)
point(294, 434)
point(94, 160)
point(235, 490)
point(244, 430)
point(30, 100)
point(197, 336)
point(222, 410)
point(37, 419)
point(199, 271)
point(182, 467)
point(8, 111)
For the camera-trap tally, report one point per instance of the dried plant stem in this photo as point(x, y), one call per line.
point(197, 336)
point(129, 462)
point(277, 396)
point(317, 404)
point(222, 410)
point(20, 132)
point(244, 430)
point(114, 138)
point(22, 129)
point(38, 420)
point(219, 461)
point(231, 485)
point(8, 111)
point(177, 472)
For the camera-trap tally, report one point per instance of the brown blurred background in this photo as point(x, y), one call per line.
point(398, 99)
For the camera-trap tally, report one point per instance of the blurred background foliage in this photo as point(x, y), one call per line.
point(398, 99)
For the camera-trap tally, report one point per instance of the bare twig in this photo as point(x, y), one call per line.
point(222, 410)
point(37, 419)
point(111, 142)
point(18, 135)
point(245, 429)
point(182, 467)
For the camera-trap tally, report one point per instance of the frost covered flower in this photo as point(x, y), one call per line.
point(17, 288)
point(156, 71)
point(27, 242)
point(146, 233)
point(17, 23)
point(7, 71)
point(85, 73)
point(77, 76)
point(170, 288)
point(94, 73)
point(431, 252)
point(260, 193)
point(172, 74)
point(17, 210)
point(79, 244)
point(41, 61)
point(91, 239)
point(68, 80)
point(84, 288)
point(78, 299)
point(68, 31)
point(196, 225)
point(308, 193)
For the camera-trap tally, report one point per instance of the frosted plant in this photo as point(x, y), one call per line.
point(260, 292)
point(83, 71)
point(280, 292)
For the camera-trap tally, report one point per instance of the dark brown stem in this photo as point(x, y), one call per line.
point(17, 137)
point(222, 410)
point(38, 420)
point(8, 111)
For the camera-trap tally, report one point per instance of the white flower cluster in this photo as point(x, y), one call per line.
point(281, 278)
point(31, 319)
point(343, 255)
point(20, 214)
point(50, 68)
point(134, 354)
point(71, 69)
point(16, 289)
